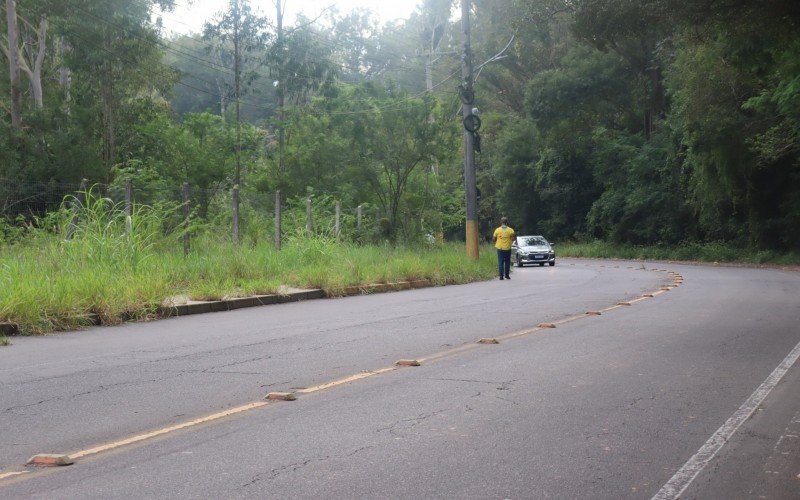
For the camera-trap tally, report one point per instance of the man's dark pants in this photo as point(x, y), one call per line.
point(504, 262)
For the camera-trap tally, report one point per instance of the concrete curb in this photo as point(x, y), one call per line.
point(202, 307)
point(379, 288)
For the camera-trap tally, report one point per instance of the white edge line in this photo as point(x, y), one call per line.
point(675, 487)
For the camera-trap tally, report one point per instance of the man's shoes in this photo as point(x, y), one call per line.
point(507, 277)
point(501, 278)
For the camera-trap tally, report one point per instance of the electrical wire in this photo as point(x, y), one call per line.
point(214, 66)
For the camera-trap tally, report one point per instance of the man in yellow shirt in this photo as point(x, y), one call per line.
point(503, 238)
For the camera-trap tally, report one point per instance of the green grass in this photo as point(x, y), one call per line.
point(707, 252)
point(4, 341)
point(48, 284)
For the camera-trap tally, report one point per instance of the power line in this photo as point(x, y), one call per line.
point(218, 96)
point(163, 73)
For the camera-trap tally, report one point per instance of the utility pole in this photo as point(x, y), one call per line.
point(467, 100)
point(281, 88)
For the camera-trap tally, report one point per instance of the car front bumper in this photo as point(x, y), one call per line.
point(537, 258)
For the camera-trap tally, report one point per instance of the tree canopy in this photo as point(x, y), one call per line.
point(633, 121)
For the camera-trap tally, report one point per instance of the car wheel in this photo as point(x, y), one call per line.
point(519, 262)
point(552, 264)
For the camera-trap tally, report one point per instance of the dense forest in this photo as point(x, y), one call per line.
point(643, 122)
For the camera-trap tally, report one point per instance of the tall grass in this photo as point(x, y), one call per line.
point(702, 252)
point(48, 283)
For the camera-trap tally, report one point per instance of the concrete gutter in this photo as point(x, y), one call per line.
point(293, 295)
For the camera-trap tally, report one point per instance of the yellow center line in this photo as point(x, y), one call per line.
point(449, 352)
point(520, 333)
point(569, 319)
point(12, 474)
point(166, 430)
point(341, 381)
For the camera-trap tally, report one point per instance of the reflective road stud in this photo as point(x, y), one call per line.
point(407, 362)
point(281, 396)
point(45, 460)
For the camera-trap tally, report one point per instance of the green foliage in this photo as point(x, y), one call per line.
point(98, 232)
point(643, 200)
point(714, 252)
point(739, 130)
point(643, 123)
point(49, 283)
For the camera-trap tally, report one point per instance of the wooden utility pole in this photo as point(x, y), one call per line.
point(280, 90)
point(467, 100)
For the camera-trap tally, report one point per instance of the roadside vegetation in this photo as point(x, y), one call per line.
point(52, 283)
point(701, 252)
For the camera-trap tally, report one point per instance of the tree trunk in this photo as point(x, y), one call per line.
point(107, 94)
point(13, 63)
point(33, 66)
point(64, 73)
point(36, 80)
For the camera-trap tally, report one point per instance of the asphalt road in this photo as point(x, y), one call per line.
point(610, 406)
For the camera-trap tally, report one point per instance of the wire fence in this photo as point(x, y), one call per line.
point(257, 217)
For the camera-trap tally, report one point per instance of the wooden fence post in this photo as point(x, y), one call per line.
point(337, 227)
point(81, 196)
point(358, 218)
point(185, 196)
point(278, 221)
point(236, 214)
point(309, 221)
point(128, 208)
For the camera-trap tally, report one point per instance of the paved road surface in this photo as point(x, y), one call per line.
point(609, 406)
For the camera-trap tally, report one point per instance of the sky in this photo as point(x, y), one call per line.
point(190, 15)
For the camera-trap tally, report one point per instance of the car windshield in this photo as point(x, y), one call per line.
point(531, 241)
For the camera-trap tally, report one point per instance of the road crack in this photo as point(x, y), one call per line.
point(295, 466)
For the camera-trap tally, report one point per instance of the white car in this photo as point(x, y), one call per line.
point(532, 250)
